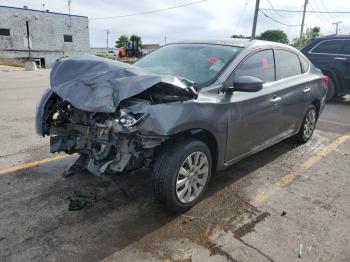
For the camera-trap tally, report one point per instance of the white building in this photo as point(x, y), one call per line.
point(51, 35)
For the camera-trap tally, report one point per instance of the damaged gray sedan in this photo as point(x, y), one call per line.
point(185, 110)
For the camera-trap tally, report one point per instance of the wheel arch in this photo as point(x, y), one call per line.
point(203, 135)
point(317, 104)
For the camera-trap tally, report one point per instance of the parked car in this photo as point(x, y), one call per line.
point(185, 110)
point(332, 55)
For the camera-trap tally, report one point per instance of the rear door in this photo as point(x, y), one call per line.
point(342, 67)
point(330, 55)
point(253, 117)
point(295, 89)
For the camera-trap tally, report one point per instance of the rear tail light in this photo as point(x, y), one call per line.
point(325, 81)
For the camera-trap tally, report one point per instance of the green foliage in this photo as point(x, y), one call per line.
point(136, 41)
point(310, 35)
point(240, 36)
point(122, 41)
point(275, 36)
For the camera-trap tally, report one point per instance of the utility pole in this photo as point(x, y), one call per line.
point(70, 18)
point(336, 26)
point(303, 20)
point(43, 7)
point(107, 37)
point(256, 12)
point(28, 40)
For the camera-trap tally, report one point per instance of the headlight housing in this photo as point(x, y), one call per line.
point(127, 121)
point(130, 119)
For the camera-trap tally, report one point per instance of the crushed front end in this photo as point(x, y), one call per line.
point(105, 141)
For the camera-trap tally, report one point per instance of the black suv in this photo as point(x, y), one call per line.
point(332, 55)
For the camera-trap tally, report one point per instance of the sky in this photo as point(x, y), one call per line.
point(208, 19)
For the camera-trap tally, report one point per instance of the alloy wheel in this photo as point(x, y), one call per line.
point(310, 123)
point(192, 177)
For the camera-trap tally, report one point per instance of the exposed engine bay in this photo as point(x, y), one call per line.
point(106, 141)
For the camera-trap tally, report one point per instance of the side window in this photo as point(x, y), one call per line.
point(328, 47)
point(260, 65)
point(346, 48)
point(287, 64)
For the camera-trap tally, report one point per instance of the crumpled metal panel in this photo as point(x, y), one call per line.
point(95, 84)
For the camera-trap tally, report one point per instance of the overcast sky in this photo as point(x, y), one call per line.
point(209, 19)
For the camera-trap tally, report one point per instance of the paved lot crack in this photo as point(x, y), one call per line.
point(257, 250)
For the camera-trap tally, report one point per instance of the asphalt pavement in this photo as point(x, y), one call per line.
point(287, 203)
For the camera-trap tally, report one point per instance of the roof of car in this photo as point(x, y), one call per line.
point(240, 42)
point(335, 36)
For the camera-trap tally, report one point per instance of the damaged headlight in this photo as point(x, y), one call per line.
point(126, 122)
point(129, 119)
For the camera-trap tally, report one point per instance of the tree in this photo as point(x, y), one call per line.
point(310, 35)
point(122, 41)
point(136, 41)
point(275, 36)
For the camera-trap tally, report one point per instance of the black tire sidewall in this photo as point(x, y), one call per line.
point(330, 89)
point(177, 156)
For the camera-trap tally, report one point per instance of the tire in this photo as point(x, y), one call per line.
point(308, 126)
point(331, 89)
point(167, 174)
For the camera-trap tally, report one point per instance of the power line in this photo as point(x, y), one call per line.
point(240, 17)
point(325, 8)
point(318, 9)
point(151, 11)
point(275, 10)
point(296, 11)
point(273, 19)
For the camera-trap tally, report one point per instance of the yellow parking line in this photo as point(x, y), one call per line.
point(325, 151)
point(31, 164)
point(291, 176)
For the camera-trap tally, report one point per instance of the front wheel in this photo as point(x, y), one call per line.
point(308, 126)
point(181, 174)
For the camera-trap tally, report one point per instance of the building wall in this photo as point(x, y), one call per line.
point(46, 34)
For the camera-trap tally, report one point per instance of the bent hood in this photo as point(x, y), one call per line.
point(95, 84)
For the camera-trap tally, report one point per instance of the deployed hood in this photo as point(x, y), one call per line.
point(95, 84)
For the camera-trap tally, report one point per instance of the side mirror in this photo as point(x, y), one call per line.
point(247, 84)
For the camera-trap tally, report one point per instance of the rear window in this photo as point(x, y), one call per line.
point(328, 47)
point(288, 64)
point(304, 64)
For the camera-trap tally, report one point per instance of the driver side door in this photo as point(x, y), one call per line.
point(254, 116)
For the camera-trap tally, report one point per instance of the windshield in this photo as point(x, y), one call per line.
point(200, 63)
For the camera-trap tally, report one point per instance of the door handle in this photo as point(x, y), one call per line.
point(307, 90)
point(339, 58)
point(275, 99)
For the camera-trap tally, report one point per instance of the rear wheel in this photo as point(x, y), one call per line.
point(308, 126)
point(330, 89)
point(181, 174)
